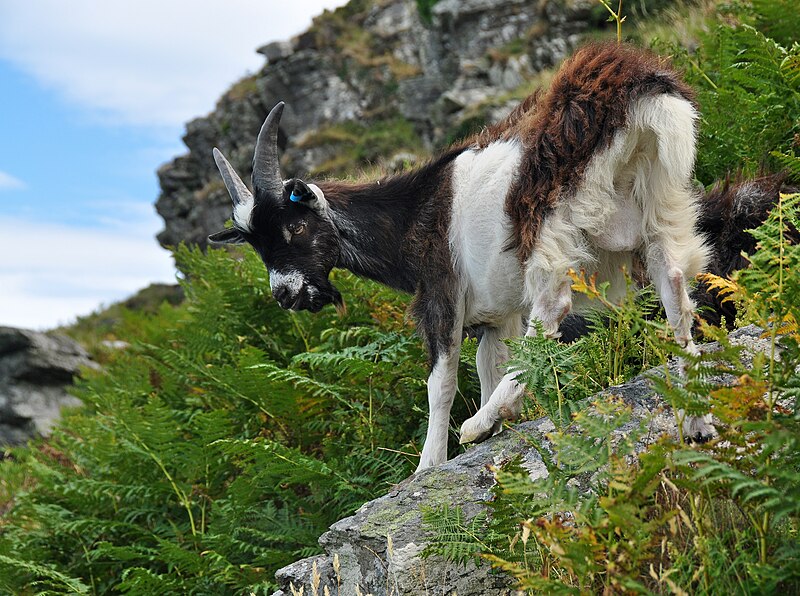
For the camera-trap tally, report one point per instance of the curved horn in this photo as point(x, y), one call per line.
point(266, 169)
point(243, 200)
point(236, 188)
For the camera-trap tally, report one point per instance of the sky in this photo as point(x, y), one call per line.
point(94, 96)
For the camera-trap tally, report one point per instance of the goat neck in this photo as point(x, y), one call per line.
point(392, 230)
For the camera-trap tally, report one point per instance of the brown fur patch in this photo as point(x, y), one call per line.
point(563, 128)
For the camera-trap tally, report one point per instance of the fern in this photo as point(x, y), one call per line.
point(749, 93)
point(221, 444)
point(452, 536)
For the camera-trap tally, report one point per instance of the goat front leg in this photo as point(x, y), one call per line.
point(671, 285)
point(549, 308)
point(442, 386)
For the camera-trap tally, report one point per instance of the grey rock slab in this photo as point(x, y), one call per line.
point(35, 371)
point(276, 51)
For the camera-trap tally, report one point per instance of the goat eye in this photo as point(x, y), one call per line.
point(297, 228)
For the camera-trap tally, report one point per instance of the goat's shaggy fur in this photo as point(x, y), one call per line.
point(727, 211)
point(594, 173)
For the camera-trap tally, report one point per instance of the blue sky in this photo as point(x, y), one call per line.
point(94, 96)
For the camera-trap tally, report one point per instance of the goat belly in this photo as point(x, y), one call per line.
point(480, 230)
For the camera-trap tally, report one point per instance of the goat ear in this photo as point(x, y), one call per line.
point(227, 236)
point(308, 195)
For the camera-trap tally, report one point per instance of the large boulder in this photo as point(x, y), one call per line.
point(378, 549)
point(35, 371)
point(365, 63)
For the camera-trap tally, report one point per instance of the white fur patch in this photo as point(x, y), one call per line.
point(291, 279)
point(480, 230)
point(317, 191)
point(321, 204)
point(242, 213)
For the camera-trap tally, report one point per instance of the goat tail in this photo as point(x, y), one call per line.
point(666, 126)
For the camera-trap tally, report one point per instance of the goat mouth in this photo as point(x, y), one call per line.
point(312, 299)
point(297, 304)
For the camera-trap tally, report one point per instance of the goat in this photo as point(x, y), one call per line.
point(726, 212)
point(590, 174)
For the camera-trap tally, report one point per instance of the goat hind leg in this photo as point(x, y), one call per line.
point(672, 289)
point(506, 400)
point(493, 354)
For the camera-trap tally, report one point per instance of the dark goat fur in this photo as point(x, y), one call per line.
point(727, 211)
point(396, 234)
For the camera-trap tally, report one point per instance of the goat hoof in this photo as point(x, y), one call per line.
point(473, 431)
point(475, 438)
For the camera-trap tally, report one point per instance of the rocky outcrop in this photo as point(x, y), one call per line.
point(35, 369)
point(366, 63)
point(378, 549)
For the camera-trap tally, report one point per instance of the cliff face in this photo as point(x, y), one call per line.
point(371, 82)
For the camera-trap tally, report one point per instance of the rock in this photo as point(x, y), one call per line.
point(276, 51)
point(378, 548)
point(455, 100)
point(35, 369)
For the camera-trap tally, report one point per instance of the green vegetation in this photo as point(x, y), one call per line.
point(425, 8)
point(230, 434)
point(748, 88)
point(357, 143)
point(220, 445)
point(676, 518)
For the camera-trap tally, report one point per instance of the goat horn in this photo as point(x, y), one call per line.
point(266, 169)
point(236, 188)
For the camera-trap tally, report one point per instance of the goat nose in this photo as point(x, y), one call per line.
point(281, 294)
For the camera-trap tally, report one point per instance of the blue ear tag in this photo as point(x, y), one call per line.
point(294, 198)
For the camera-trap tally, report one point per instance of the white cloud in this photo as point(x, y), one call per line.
point(51, 273)
point(146, 62)
point(8, 182)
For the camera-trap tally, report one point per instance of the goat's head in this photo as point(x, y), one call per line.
point(286, 222)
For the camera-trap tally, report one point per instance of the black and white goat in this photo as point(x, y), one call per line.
point(591, 174)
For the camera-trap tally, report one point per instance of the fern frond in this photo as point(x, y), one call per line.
point(726, 289)
point(42, 575)
point(452, 536)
